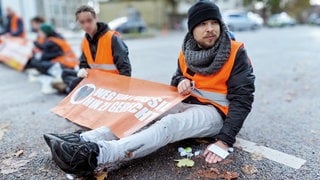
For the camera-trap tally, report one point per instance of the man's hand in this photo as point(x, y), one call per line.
point(210, 157)
point(184, 87)
point(82, 73)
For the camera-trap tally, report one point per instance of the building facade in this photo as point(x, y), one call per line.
point(60, 13)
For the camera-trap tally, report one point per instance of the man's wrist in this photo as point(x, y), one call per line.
point(226, 146)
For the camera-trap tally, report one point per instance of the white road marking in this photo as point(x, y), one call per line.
point(274, 155)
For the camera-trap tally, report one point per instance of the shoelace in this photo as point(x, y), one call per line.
point(77, 150)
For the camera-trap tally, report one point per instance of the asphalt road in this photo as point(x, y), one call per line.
point(285, 116)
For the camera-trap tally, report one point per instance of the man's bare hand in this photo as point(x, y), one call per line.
point(184, 87)
point(210, 157)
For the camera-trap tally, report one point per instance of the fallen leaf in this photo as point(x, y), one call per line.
point(256, 156)
point(185, 162)
point(18, 153)
point(229, 175)
point(102, 176)
point(211, 173)
point(3, 129)
point(215, 170)
point(249, 169)
point(188, 149)
point(214, 173)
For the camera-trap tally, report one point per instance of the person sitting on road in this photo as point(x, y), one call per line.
point(101, 47)
point(14, 26)
point(217, 74)
point(56, 54)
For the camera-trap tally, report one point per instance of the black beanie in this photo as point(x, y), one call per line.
point(202, 11)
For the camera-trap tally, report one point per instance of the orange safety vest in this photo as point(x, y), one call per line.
point(212, 89)
point(104, 58)
point(68, 59)
point(14, 25)
point(39, 40)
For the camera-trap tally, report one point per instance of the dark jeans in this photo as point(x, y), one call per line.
point(41, 66)
point(69, 77)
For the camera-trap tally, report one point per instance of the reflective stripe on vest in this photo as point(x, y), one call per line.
point(212, 89)
point(103, 58)
point(107, 67)
point(215, 97)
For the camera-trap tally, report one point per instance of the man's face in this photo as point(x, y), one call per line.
point(207, 33)
point(87, 22)
point(9, 12)
point(35, 26)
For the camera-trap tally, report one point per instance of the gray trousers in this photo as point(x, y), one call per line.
point(181, 122)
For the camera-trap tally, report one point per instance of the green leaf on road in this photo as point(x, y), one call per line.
point(188, 149)
point(185, 162)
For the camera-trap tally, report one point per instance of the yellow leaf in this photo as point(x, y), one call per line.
point(19, 153)
point(185, 162)
point(249, 169)
point(102, 176)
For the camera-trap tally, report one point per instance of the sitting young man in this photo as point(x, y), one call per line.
point(102, 48)
point(217, 74)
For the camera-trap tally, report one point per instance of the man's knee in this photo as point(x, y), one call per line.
point(167, 124)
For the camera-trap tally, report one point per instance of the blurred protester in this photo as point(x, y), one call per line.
point(101, 47)
point(56, 54)
point(14, 26)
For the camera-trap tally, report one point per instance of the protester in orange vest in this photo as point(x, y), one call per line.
point(14, 25)
point(56, 53)
point(217, 74)
point(102, 49)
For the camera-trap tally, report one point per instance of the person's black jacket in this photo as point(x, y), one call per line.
point(119, 50)
point(240, 94)
point(49, 49)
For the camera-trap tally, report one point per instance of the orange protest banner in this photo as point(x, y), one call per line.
point(121, 103)
point(15, 52)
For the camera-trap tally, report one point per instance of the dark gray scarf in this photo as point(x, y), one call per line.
point(207, 61)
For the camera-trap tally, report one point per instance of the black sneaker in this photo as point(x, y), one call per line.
point(68, 137)
point(75, 158)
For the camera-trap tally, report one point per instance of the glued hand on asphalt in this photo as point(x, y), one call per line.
point(184, 87)
point(82, 73)
point(211, 157)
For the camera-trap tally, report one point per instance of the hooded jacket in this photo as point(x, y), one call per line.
point(240, 87)
point(49, 49)
point(119, 50)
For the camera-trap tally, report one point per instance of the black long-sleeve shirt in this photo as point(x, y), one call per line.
point(119, 51)
point(240, 95)
point(50, 49)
